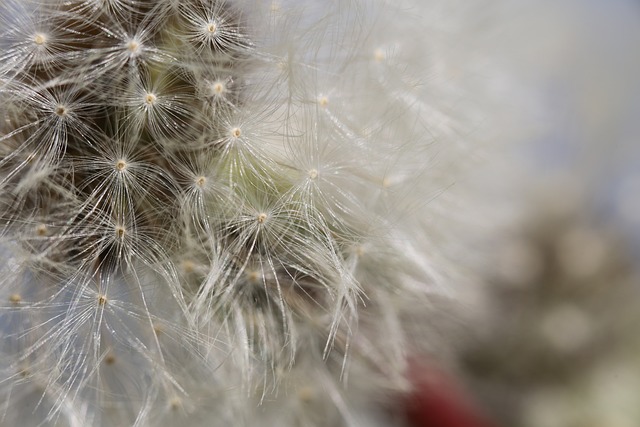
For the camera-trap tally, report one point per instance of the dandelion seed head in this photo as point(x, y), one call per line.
point(138, 79)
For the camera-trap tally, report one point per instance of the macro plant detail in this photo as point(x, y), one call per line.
point(241, 212)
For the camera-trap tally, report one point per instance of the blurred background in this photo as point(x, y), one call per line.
point(557, 343)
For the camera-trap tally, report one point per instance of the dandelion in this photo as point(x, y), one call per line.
point(160, 107)
point(37, 40)
point(212, 28)
point(214, 210)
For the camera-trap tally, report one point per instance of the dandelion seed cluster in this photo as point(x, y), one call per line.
point(214, 212)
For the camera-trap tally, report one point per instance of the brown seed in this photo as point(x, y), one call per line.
point(150, 99)
point(133, 46)
point(39, 39)
point(253, 276)
point(306, 394)
point(121, 165)
point(120, 232)
point(175, 403)
point(218, 88)
point(41, 230)
point(60, 110)
point(188, 266)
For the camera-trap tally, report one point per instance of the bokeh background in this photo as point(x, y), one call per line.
point(558, 343)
